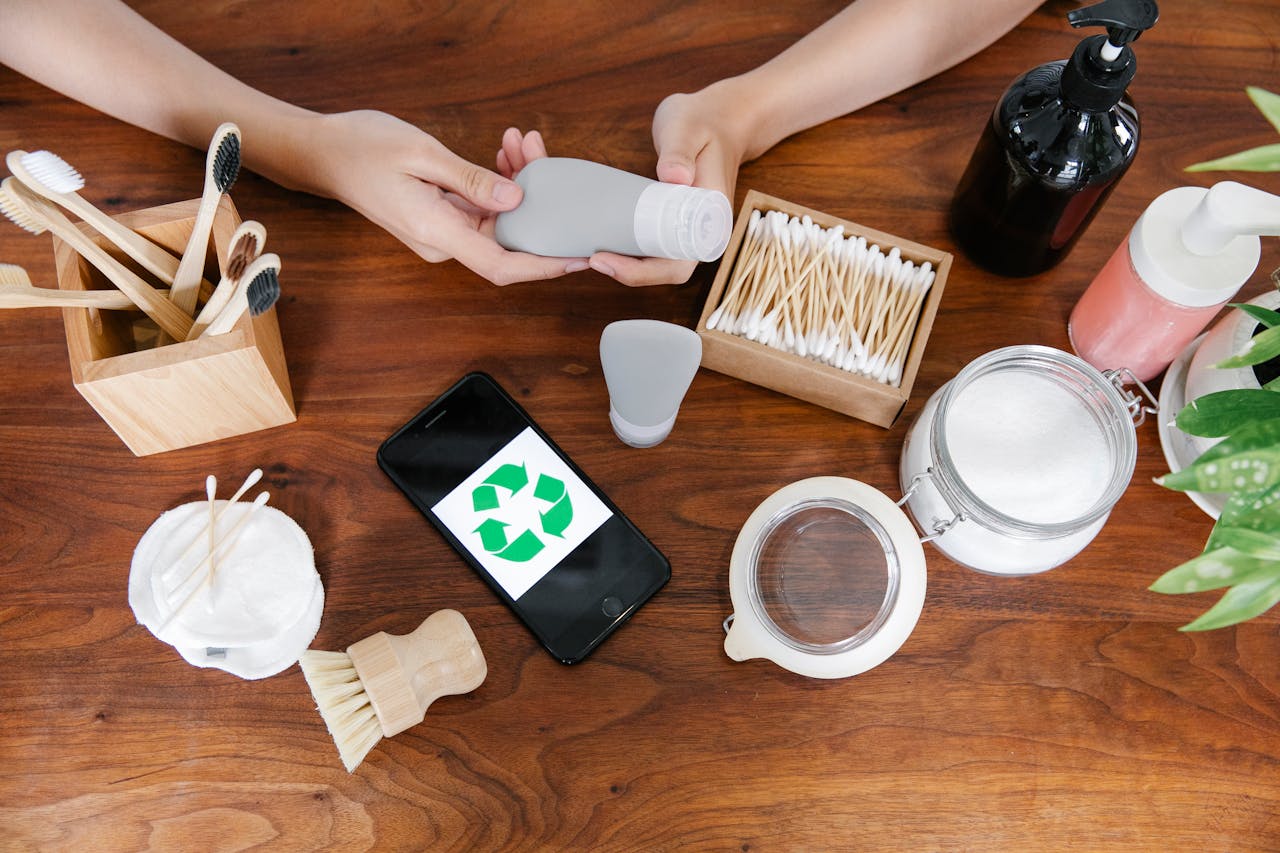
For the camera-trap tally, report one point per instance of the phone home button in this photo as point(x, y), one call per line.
point(611, 605)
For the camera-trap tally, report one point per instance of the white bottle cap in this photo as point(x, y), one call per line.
point(637, 435)
point(1197, 247)
point(682, 223)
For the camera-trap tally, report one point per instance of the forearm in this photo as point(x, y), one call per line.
point(103, 54)
point(870, 50)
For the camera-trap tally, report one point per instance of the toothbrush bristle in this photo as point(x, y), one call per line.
point(241, 253)
point(52, 171)
point(16, 211)
point(263, 291)
point(14, 275)
point(226, 162)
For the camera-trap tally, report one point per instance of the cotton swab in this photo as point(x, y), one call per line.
point(252, 480)
point(227, 543)
point(211, 489)
point(822, 295)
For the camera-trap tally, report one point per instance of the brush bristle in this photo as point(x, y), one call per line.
point(343, 704)
point(226, 162)
point(15, 209)
point(263, 291)
point(52, 171)
point(14, 275)
point(241, 253)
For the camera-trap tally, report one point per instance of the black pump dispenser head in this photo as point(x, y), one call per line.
point(1101, 68)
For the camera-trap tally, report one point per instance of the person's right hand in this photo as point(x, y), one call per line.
point(438, 204)
point(697, 145)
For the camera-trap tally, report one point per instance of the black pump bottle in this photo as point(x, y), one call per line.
point(1058, 141)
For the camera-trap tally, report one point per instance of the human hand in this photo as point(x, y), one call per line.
point(438, 204)
point(696, 146)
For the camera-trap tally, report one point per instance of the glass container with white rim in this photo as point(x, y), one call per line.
point(1014, 465)
point(827, 579)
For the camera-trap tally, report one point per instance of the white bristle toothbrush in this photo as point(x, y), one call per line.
point(246, 245)
point(257, 291)
point(17, 291)
point(48, 175)
point(222, 167)
point(36, 215)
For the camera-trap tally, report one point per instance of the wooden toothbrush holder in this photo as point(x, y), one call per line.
point(185, 393)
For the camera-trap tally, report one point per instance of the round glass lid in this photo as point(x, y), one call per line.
point(824, 575)
point(827, 579)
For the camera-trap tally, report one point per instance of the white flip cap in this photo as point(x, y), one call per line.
point(682, 223)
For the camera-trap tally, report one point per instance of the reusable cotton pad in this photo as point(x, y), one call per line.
point(257, 611)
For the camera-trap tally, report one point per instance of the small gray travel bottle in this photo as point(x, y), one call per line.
point(575, 208)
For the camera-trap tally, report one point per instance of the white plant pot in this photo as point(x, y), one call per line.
point(1193, 375)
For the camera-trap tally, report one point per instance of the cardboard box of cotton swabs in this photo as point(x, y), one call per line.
point(861, 318)
point(180, 394)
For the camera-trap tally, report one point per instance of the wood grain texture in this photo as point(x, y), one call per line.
point(1063, 711)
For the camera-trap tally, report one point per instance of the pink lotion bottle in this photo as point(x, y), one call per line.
point(1188, 253)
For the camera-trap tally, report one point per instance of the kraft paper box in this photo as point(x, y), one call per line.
point(830, 387)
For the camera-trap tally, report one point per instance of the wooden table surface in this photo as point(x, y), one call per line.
point(1061, 711)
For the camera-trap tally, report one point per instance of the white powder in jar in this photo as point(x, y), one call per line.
point(1028, 447)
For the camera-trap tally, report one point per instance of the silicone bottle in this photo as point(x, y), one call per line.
point(647, 366)
point(574, 208)
point(1188, 253)
point(1059, 139)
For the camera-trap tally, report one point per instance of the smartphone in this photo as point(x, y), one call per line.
point(543, 536)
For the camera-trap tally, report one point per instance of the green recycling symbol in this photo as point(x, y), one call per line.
point(511, 479)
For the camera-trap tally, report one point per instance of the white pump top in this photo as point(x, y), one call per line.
point(1197, 247)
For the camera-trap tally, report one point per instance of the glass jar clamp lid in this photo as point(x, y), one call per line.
point(827, 579)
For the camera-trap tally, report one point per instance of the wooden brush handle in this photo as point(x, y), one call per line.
point(167, 315)
point(186, 281)
point(16, 296)
point(402, 675)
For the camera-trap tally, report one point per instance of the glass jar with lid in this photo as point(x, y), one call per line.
point(1013, 466)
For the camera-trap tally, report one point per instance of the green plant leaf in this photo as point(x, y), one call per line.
point(1251, 543)
point(1263, 346)
point(1268, 103)
point(1265, 316)
point(1213, 570)
point(1258, 435)
point(1273, 385)
point(1223, 412)
point(1249, 510)
point(1243, 601)
point(1251, 470)
point(1264, 158)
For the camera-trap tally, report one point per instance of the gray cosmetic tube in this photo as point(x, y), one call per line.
point(575, 208)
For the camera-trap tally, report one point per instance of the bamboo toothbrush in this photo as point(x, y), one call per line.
point(17, 291)
point(48, 175)
point(222, 167)
point(246, 246)
point(257, 291)
point(36, 215)
point(384, 684)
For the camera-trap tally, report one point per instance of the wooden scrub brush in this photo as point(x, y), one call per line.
point(383, 684)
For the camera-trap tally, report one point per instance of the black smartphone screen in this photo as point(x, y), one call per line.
point(544, 538)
